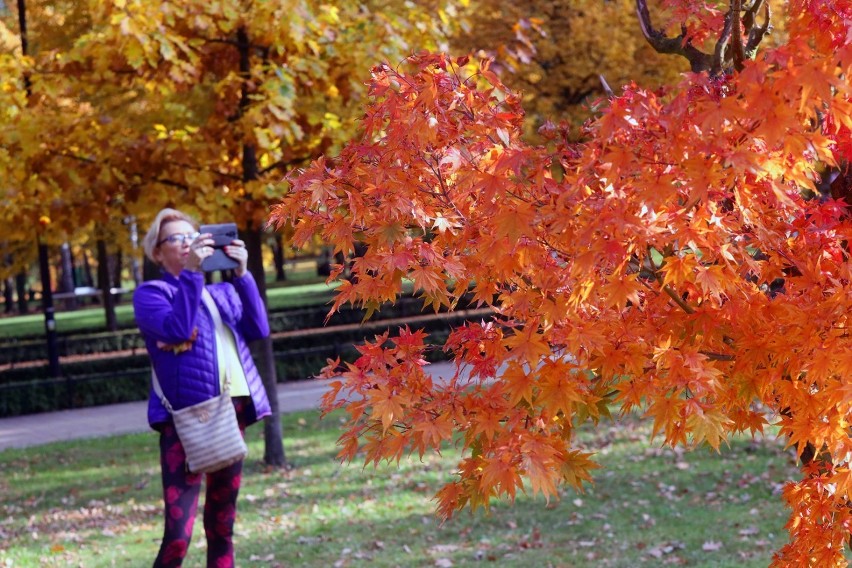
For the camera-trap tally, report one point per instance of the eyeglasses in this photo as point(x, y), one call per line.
point(180, 238)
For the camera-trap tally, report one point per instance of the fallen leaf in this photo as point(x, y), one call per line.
point(656, 552)
point(711, 545)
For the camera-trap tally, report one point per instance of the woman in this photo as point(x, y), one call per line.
point(192, 350)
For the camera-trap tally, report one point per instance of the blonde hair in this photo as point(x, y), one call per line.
point(167, 215)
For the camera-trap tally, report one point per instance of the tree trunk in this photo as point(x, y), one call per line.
point(278, 256)
point(273, 436)
point(88, 279)
point(104, 284)
point(9, 295)
point(75, 273)
point(150, 271)
point(47, 307)
point(117, 261)
point(66, 276)
point(21, 290)
point(262, 349)
point(135, 269)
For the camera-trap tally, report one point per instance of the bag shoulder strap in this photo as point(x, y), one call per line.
point(159, 390)
point(218, 325)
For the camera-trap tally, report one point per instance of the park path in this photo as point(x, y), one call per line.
point(131, 417)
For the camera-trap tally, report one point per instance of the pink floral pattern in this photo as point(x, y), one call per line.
point(180, 497)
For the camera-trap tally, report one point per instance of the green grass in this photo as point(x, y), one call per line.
point(279, 297)
point(96, 503)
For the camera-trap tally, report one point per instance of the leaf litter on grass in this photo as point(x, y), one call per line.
point(642, 510)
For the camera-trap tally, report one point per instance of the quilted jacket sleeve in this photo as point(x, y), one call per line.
point(253, 324)
point(166, 317)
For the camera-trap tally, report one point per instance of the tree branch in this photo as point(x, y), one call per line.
point(736, 21)
point(283, 164)
point(717, 356)
point(698, 60)
point(168, 182)
point(678, 300)
point(756, 34)
point(721, 52)
point(607, 89)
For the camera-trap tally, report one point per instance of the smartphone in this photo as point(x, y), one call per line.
point(223, 234)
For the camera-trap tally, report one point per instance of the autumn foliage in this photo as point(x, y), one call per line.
point(683, 262)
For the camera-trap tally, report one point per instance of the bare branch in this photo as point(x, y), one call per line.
point(606, 87)
point(721, 52)
point(168, 182)
point(283, 165)
point(717, 356)
point(732, 48)
point(749, 14)
point(736, 31)
point(678, 300)
point(670, 292)
point(756, 34)
point(698, 60)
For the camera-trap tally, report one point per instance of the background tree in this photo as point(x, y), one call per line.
point(638, 268)
point(56, 177)
point(556, 52)
point(204, 106)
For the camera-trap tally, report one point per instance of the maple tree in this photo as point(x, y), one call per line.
point(684, 260)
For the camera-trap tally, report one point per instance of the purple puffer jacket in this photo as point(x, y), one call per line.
point(168, 311)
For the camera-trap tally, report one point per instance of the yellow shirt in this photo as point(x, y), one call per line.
point(226, 351)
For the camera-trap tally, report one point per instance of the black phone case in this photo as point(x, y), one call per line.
point(223, 234)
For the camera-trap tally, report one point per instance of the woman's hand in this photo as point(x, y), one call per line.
point(201, 248)
point(237, 251)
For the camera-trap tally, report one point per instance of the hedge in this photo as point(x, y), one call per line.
point(96, 381)
point(18, 352)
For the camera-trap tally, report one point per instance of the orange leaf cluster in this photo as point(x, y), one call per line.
point(675, 263)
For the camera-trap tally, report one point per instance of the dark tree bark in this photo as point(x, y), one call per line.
point(21, 291)
point(104, 284)
point(278, 256)
point(737, 41)
point(150, 271)
point(43, 257)
point(135, 268)
point(116, 264)
point(49, 316)
point(261, 349)
point(88, 279)
point(9, 295)
point(66, 276)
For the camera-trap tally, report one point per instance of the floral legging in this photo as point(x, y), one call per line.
point(180, 495)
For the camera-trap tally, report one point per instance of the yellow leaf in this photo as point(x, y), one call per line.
point(707, 427)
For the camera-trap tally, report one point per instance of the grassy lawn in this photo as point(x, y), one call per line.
point(279, 297)
point(96, 503)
